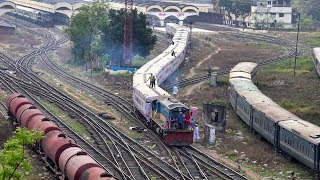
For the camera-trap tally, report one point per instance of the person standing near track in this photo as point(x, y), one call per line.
point(175, 91)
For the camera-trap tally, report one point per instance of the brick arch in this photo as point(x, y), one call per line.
point(62, 6)
point(154, 7)
point(190, 8)
point(172, 7)
point(7, 5)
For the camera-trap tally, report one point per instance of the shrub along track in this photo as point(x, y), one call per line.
point(289, 45)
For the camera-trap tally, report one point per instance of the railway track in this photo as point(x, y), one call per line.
point(153, 165)
point(22, 66)
point(243, 37)
point(211, 167)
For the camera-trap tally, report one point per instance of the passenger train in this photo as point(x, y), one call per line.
point(316, 59)
point(155, 104)
point(36, 16)
point(284, 130)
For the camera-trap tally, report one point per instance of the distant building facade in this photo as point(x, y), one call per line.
point(265, 14)
point(268, 13)
point(6, 28)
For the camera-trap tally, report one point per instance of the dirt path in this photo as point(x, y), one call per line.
point(192, 70)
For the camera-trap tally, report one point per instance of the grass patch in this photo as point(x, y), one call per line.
point(123, 74)
point(313, 39)
point(308, 111)
point(303, 65)
point(138, 64)
point(264, 45)
point(223, 102)
point(3, 97)
point(75, 125)
point(223, 80)
point(281, 173)
point(288, 104)
point(232, 155)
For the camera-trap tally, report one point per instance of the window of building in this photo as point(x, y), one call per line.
point(269, 2)
point(274, 2)
point(281, 15)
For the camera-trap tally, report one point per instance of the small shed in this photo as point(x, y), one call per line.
point(6, 28)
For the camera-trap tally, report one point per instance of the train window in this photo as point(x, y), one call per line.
point(299, 147)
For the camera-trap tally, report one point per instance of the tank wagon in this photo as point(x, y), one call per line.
point(65, 157)
point(284, 130)
point(36, 16)
point(155, 104)
point(316, 59)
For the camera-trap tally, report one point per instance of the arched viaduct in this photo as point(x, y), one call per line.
point(162, 10)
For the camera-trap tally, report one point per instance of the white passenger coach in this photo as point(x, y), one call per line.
point(156, 104)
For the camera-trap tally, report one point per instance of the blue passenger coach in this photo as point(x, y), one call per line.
point(284, 130)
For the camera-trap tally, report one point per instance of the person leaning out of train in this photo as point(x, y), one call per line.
point(173, 121)
point(166, 126)
point(181, 120)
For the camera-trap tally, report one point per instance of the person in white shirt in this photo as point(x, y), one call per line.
point(175, 90)
point(196, 133)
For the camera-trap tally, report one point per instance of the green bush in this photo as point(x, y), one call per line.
point(288, 104)
point(138, 61)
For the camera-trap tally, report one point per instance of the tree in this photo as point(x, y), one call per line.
point(308, 8)
point(143, 38)
point(96, 31)
point(85, 30)
point(14, 161)
point(236, 7)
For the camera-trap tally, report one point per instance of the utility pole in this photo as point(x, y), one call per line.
point(128, 34)
point(275, 27)
point(190, 24)
point(295, 56)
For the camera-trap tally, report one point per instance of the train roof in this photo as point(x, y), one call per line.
point(275, 112)
point(150, 93)
point(256, 98)
point(240, 75)
point(172, 103)
point(316, 52)
point(302, 128)
point(241, 84)
point(244, 67)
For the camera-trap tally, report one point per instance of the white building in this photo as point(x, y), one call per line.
point(265, 14)
point(269, 12)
